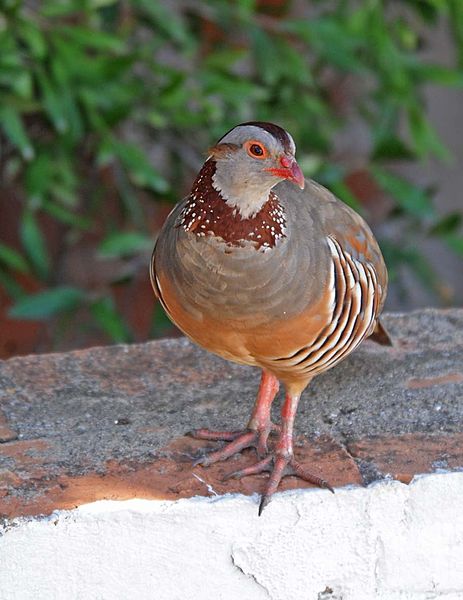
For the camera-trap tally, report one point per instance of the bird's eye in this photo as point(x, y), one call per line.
point(256, 150)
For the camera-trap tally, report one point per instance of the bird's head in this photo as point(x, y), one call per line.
point(250, 160)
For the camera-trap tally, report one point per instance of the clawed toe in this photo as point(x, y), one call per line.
point(236, 442)
point(296, 469)
point(241, 441)
point(284, 467)
point(260, 467)
point(214, 436)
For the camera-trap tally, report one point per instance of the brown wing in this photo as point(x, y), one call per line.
point(354, 292)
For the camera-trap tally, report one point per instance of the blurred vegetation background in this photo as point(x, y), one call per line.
point(107, 108)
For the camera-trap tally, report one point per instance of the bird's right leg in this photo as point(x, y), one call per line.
point(257, 431)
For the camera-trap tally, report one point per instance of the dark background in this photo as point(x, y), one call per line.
point(108, 107)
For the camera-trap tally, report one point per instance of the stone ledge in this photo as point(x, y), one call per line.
point(108, 423)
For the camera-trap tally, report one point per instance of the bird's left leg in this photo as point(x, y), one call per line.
point(284, 462)
point(257, 431)
point(282, 458)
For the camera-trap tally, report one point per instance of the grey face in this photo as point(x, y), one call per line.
point(251, 162)
point(255, 166)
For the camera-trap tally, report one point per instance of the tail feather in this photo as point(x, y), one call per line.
point(380, 335)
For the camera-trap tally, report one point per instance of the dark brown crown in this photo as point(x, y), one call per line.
point(278, 133)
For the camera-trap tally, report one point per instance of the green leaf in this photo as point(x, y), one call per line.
point(428, 9)
point(66, 93)
point(48, 303)
point(9, 283)
point(424, 135)
point(456, 23)
point(421, 267)
point(454, 242)
point(438, 74)
point(32, 36)
point(340, 189)
point(166, 21)
point(12, 259)
point(105, 314)
point(448, 230)
point(410, 198)
point(92, 38)
point(266, 56)
point(329, 39)
point(140, 170)
point(129, 199)
point(293, 65)
point(52, 8)
point(23, 85)
point(38, 177)
point(63, 187)
point(223, 58)
point(448, 224)
point(34, 244)
point(53, 101)
point(391, 147)
point(14, 129)
point(126, 243)
point(66, 216)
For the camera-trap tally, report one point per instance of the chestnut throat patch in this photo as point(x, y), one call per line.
point(207, 213)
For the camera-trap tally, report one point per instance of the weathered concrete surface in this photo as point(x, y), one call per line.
point(113, 415)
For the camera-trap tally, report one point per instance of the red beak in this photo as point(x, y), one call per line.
point(289, 170)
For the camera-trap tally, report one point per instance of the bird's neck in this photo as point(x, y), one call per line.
point(207, 212)
point(239, 190)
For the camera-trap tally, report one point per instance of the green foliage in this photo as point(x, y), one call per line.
point(12, 259)
point(91, 91)
point(107, 317)
point(124, 243)
point(48, 303)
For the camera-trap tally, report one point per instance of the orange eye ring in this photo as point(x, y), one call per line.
point(255, 149)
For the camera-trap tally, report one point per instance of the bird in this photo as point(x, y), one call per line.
point(266, 268)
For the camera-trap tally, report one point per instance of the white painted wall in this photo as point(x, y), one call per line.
point(389, 542)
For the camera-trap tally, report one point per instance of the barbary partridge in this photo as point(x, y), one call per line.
point(270, 274)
